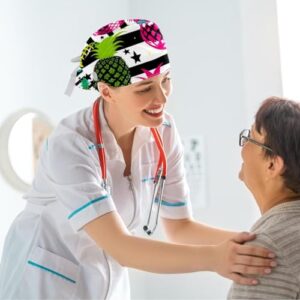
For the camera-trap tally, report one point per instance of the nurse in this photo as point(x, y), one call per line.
point(95, 180)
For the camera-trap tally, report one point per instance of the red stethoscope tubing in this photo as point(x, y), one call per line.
point(162, 157)
point(100, 145)
point(162, 163)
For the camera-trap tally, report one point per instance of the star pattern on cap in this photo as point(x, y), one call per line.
point(133, 50)
point(136, 57)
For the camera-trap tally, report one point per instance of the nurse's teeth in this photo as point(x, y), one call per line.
point(153, 111)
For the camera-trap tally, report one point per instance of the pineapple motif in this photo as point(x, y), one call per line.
point(87, 52)
point(107, 29)
point(111, 68)
point(85, 83)
point(152, 36)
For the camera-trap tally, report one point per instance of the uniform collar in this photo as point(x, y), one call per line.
point(113, 151)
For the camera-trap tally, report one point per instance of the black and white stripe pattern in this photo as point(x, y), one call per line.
point(130, 40)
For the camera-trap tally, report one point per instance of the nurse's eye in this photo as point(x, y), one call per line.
point(148, 89)
point(166, 79)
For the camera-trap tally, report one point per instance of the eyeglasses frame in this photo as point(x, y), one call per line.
point(249, 139)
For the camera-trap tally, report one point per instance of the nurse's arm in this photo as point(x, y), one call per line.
point(110, 234)
point(188, 231)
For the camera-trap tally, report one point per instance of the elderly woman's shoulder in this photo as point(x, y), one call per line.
point(280, 228)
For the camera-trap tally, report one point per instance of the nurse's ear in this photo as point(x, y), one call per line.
point(105, 91)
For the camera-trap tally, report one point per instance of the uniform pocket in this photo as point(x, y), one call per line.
point(52, 276)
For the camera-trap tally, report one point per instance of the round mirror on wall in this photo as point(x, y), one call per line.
point(21, 137)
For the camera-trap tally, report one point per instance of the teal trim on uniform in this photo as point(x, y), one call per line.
point(147, 179)
point(93, 146)
point(166, 123)
point(51, 271)
point(172, 204)
point(86, 205)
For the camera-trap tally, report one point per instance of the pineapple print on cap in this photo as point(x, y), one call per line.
point(110, 68)
point(86, 52)
point(109, 28)
point(121, 53)
point(152, 35)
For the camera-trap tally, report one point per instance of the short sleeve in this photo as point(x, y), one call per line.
point(176, 197)
point(75, 176)
point(280, 284)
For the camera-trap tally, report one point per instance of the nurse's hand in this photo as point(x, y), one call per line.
point(235, 260)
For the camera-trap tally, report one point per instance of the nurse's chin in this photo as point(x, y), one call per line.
point(241, 175)
point(151, 121)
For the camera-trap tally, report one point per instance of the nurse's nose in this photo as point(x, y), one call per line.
point(160, 96)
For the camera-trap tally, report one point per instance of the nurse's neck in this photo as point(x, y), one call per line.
point(122, 130)
point(123, 133)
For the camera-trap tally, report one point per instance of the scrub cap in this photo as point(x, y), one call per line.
point(119, 54)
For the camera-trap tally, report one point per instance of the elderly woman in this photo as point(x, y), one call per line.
point(271, 171)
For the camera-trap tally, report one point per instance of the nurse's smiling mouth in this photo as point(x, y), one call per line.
point(155, 112)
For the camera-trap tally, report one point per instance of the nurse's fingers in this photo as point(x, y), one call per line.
point(255, 251)
point(243, 237)
point(255, 261)
point(239, 279)
point(248, 270)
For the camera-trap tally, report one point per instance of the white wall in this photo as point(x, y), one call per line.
point(288, 25)
point(261, 58)
point(224, 55)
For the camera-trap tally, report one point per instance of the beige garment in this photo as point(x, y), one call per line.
point(279, 231)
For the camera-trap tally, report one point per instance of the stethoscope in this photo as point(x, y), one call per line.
point(161, 170)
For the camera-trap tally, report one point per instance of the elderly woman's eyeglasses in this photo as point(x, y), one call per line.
point(245, 137)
